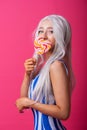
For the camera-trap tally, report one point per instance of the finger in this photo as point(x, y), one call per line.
point(34, 60)
point(29, 66)
point(21, 111)
point(27, 108)
point(31, 61)
point(29, 70)
point(28, 60)
point(20, 108)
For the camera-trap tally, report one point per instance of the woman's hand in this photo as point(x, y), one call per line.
point(29, 65)
point(22, 103)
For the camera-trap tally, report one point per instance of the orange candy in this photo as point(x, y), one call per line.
point(42, 46)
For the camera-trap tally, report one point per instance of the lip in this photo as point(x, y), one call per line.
point(41, 38)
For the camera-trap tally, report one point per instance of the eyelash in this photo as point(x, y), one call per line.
point(40, 31)
point(51, 31)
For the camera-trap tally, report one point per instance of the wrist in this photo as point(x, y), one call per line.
point(27, 75)
point(32, 103)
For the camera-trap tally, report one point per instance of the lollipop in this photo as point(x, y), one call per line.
point(42, 46)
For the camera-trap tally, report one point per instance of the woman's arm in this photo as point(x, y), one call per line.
point(29, 67)
point(61, 91)
point(25, 86)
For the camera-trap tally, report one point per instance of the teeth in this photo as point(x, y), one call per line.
point(41, 46)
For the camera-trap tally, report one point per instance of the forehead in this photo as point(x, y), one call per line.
point(46, 24)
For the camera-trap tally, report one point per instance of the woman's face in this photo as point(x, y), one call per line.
point(45, 31)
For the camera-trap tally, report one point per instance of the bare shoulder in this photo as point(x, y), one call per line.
point(56, 66)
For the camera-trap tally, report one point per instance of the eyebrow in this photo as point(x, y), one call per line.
point(47, 27)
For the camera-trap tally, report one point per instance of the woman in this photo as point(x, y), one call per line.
point(48, 79)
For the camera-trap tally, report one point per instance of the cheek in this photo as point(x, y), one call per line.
point(52, 39)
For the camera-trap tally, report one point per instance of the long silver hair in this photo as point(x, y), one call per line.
point(62, 34)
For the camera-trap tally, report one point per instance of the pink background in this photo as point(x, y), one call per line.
point(18, 18)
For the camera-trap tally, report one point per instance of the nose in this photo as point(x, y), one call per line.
point(44, 35)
